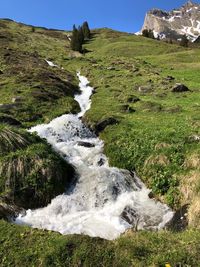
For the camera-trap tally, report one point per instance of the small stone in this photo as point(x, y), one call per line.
point(133, 99)
point(145, 89)
point(129, 215)
point(179, 88)
point(101, 125)
point(101, 162)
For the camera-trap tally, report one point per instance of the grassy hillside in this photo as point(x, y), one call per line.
point(31, 90)
point(157, 134)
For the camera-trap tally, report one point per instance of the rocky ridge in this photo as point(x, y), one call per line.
point(175, 23)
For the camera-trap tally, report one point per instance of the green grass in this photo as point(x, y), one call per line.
point(118, 65)
point(43, 248)
point(154, 136)
point(45, 92)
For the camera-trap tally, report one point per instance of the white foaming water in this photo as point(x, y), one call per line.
point(104, 201)
point(84, 98)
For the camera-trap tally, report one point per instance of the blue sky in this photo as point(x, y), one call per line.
point(125, 15)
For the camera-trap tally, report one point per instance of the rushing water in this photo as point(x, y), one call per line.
point(105, 201)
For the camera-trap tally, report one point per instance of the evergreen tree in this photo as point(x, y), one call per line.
point(145, 33)
point(81, 35)
point(184, 41)
point(76, 43)
point(86, 30)
point(148, 33)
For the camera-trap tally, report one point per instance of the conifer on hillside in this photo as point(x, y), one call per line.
point(76, 42)
point(184, 41)
point(86, 30)
point(148, 33)
point(79, 36)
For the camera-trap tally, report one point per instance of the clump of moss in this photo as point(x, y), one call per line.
point(31, 174)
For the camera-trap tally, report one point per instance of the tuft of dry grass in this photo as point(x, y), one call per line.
point(192, 161)
point(194, 212)
point(157, 159)
point(11, 140)
point(161, 146)
point(190, 189)
point(189, 185)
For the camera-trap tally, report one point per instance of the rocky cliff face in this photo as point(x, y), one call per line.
point(175, 23)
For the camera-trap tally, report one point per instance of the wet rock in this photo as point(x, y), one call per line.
point(100, 126)
point(129, 215)
point(179, 88)
point(101, 162)
point(85, 144)
point(179, 222)
point(8, 211)
point(9, 120)
point(135, 179)
point(116, 190)
point(151, 195)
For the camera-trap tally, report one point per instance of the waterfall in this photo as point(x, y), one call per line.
point(105, 201)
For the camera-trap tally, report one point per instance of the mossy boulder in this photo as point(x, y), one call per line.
point(31, 173)
point(101, 125)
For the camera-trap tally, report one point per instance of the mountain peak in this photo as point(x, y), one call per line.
point(190, 3)
point(175, 23)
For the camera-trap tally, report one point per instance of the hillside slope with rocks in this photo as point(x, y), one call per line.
point(145, 108)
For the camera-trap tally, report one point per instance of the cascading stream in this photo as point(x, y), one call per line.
point(105, 201)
